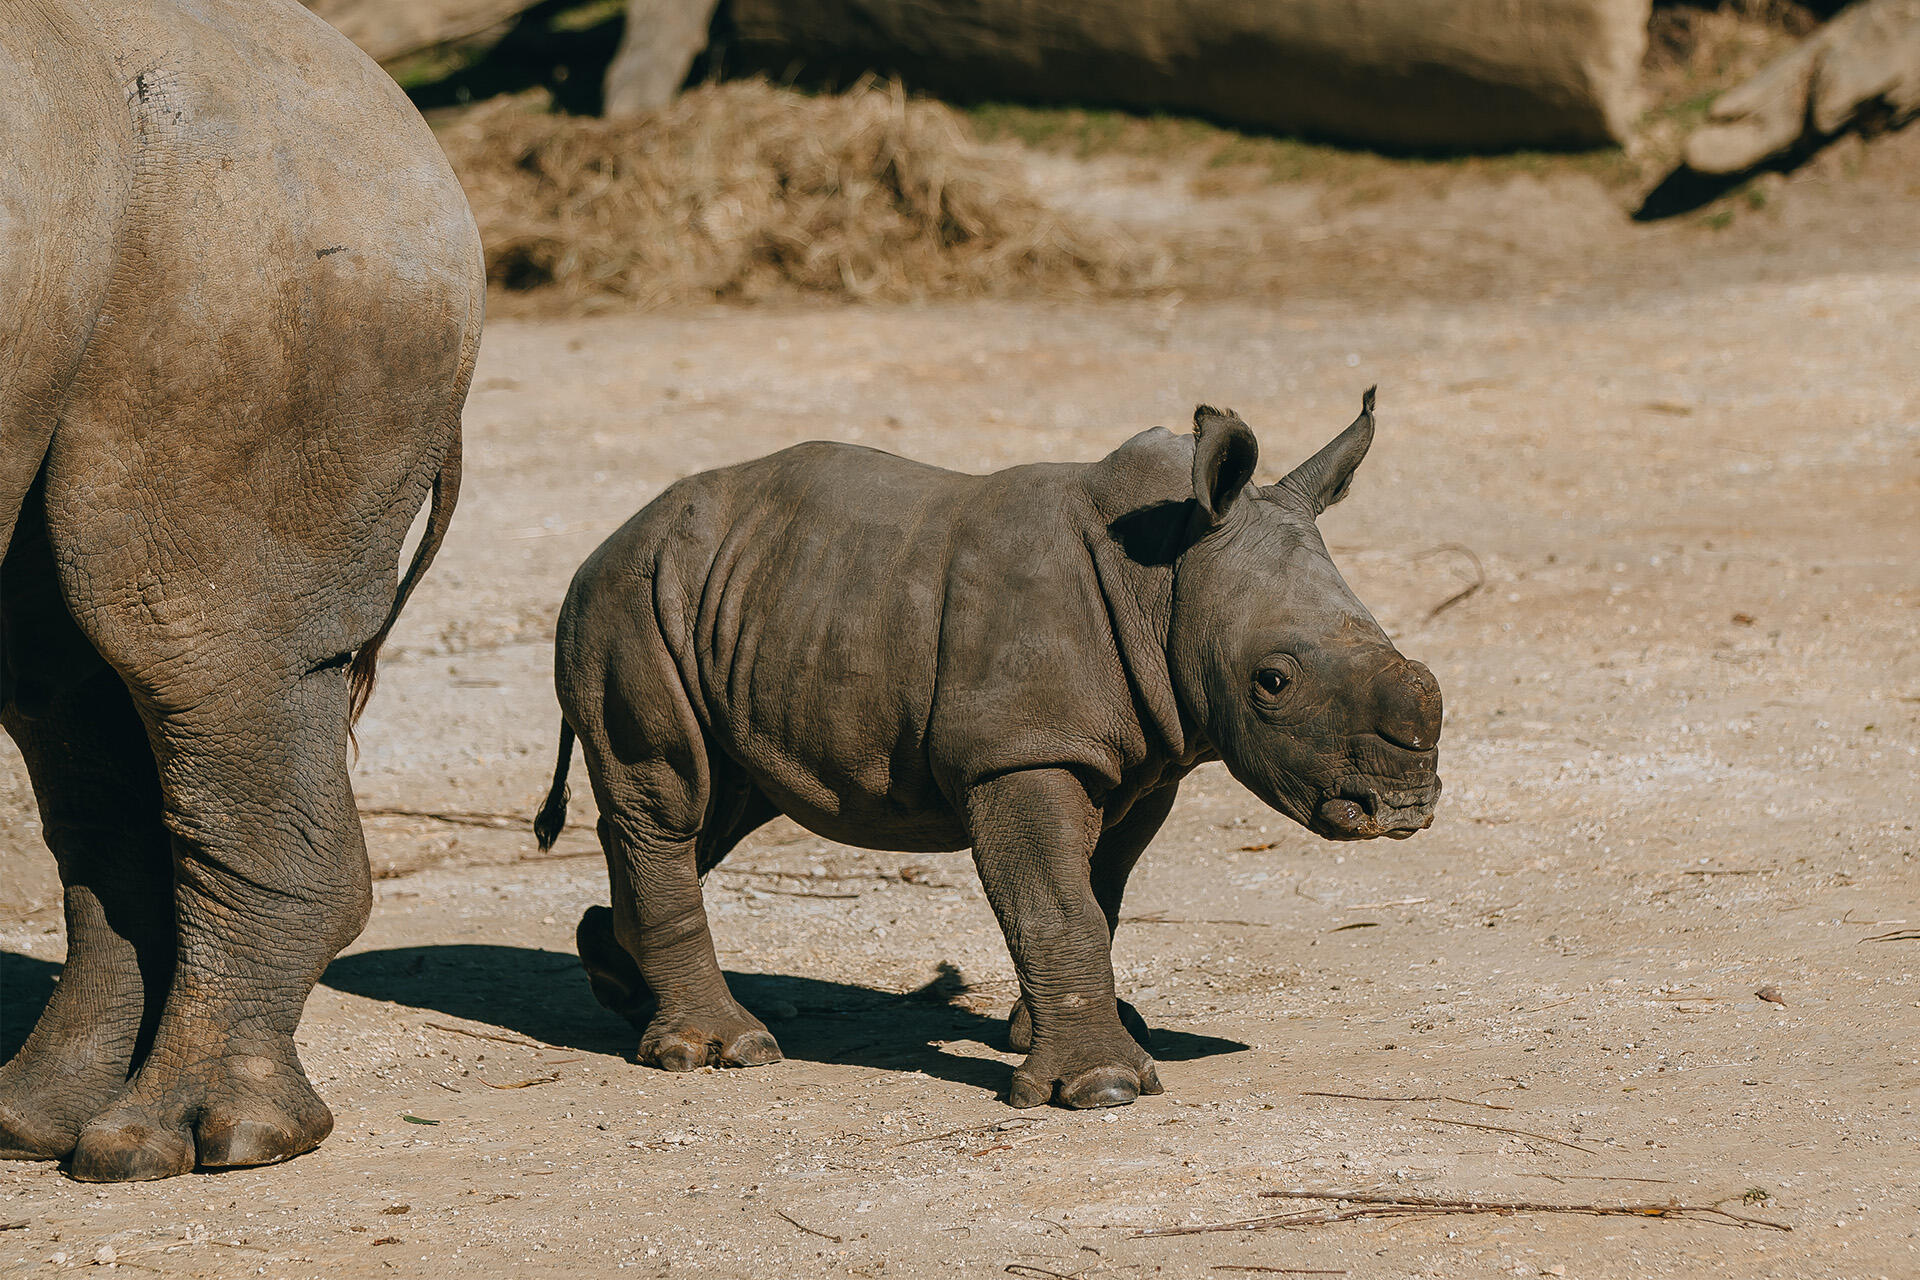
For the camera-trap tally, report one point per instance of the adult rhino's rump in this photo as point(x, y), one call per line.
point(243, 299)
point(1395, 73)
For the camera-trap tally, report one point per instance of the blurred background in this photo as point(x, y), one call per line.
point(672, 151)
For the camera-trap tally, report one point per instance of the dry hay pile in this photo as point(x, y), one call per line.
point(743, 190)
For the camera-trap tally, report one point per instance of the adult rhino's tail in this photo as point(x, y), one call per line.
point(552, 818)
point(446, 492)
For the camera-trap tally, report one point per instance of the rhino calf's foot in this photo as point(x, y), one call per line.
point(719, 1038)
point(1020, 1027)
point(231, 1112)
point(1108, 1071)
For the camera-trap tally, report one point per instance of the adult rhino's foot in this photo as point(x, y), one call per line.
point(729, 1037)
point(1020, 1026)
point(41, 1120)
point(28, 1133)
point(231, 1112)
point(1082, 1070)
point(36, 1127)
point(53, 1086)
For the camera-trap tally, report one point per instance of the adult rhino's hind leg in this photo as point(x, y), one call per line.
point(270, 881)
point(93, 773)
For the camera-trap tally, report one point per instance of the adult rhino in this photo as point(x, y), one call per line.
point(243, 298)
point(1028, 662)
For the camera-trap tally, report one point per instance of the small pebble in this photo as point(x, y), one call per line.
point(105, 1256)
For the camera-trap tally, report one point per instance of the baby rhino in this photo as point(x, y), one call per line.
point(1027, 663)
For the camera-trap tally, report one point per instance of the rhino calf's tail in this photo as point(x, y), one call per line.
point(552, 818)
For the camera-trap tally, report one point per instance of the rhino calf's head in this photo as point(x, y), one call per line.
point(1290, 678)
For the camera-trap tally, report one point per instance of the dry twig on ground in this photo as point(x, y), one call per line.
point(491, 821)
point(804, 1227)
point(1410, 1097)
point(1478, 580)
point(1372, 1204)
point(1518, 1133)
point(523, 1042)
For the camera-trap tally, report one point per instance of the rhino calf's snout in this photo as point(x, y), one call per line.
point(1407, 705)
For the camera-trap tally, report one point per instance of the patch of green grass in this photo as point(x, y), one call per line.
point(1085, 132)
point(431, 66)
point(584, 17)
point(1686, 113)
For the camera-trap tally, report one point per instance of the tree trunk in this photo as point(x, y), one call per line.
point(662, 39)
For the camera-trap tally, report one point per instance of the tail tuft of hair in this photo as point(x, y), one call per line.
point(552, 818)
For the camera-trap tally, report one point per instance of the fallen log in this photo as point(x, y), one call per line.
point(1404, 74)
point(1863, 68)
point(391, 29)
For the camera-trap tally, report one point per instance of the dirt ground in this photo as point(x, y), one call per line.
point(1679, 467)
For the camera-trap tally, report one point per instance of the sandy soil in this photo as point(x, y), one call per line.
point(1681, 752)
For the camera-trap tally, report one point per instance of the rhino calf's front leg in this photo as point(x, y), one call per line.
point(1034, 834)
point(1111, 864)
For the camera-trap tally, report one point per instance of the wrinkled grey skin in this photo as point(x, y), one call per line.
point(242, 296)
point(1028, 663)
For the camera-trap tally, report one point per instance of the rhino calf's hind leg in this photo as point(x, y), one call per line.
point(1034, 833)
point(270, 881)
point(86, 752)
point(737, 811)
point(659, 918)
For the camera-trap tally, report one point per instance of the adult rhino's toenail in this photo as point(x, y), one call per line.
point(1103, 1087)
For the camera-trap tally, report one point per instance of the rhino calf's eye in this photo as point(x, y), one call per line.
point(1271, 681)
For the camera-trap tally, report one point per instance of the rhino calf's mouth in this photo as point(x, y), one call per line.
point(1395, 814)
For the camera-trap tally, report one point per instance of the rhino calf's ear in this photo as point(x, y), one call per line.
point(1224, 454)
point(1325, 478)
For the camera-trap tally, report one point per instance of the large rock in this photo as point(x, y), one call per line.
point(390, 29)
point(1862, 66)
point(1393, 73)
point(661, 40)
